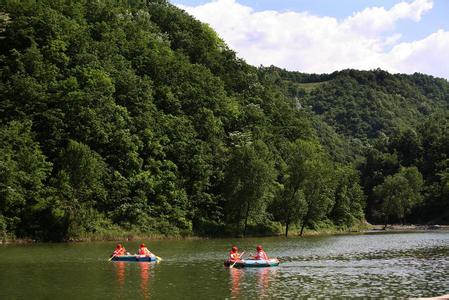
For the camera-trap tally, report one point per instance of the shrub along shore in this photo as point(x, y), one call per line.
point(362, 228)
point(133, 236)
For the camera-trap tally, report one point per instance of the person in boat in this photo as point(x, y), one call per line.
point(234, 255)
point(119, 250)
point(143, 250)
point(260, 253)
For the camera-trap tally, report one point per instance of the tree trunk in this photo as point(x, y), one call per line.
point(287, 222)
point(304, 222)
point(246, 219)
point(302, 227)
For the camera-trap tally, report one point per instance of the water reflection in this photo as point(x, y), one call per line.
point(337, 267)
point(255, 280)
point(236, 277)
point(264, 277)
point(144, 279)
point(143, 270)
point(120, 278)
point(120, 273)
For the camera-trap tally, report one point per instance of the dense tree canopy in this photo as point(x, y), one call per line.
point(134, 117)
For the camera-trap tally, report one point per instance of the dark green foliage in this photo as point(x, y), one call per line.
point(424, 150)
point(400, 193)
point(134, 116)
point(135, 104)
point(249, 179)
point(349, 198)
point(23, 173)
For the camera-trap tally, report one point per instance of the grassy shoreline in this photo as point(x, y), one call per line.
point(410, 227)
point(132, 236)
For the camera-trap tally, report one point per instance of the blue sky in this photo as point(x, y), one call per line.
point(401, 36)
point(437, 18)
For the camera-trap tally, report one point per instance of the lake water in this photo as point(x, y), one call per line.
point(404, 265)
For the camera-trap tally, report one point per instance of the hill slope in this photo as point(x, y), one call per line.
point(392, 121)
point(138, 119)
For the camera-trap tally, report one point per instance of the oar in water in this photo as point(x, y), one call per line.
point(241, 255)
point(110, 258)
point(158, 258)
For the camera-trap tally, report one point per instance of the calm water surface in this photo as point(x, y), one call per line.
point(400, 265)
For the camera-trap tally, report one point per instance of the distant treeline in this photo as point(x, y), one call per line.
point(133, 117)
point(396, 127)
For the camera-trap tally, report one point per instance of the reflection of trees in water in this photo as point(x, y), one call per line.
point(144, 279)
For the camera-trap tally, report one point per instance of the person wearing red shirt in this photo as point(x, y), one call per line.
point(234, 255)
point(260, 253)
point(119, 250)
point(143, 250)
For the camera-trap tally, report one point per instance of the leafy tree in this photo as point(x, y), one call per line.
point(319, 192)
point(23, 174)
point(400, 192)
point(80, 186)
point(249, 178)
point(349, 198)
point(292, 205)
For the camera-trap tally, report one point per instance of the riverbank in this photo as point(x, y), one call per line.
point(135, 236)
point(126, 237)
point(410, 227)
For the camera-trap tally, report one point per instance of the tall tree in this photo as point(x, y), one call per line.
point(23, 173)
point(291, 204)
point(249, 178)
point(400, 193)
point(318, 191)
point(349, 197)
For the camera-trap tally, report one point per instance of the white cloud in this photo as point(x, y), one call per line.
point(305, 42)
point(429, 55)
point(375, 20)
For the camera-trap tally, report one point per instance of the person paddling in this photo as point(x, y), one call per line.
point(143, 250)
point(119, 251)
point(260, 253)
point(234, 255)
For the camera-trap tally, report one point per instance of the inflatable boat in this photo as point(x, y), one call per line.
point(135, 258)
point(253, 263)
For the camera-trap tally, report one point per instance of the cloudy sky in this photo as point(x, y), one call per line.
point(321, 36)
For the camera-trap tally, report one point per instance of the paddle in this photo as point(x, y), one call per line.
point(232, 266)
point(112, 257)
point(158, 258)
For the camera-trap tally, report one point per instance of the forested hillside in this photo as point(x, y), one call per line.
point(126, 117)
point(397, 126)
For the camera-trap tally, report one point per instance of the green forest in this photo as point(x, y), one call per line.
point(122, 118)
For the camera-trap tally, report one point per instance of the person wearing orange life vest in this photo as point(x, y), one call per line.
point(119, 250)
point(143, 250)
point(260, 253)
point(233, 254)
